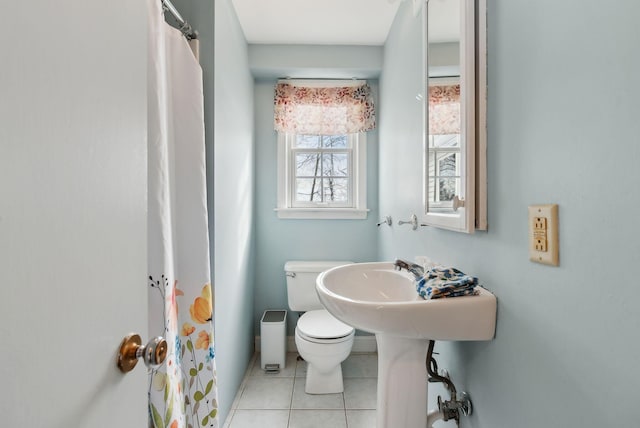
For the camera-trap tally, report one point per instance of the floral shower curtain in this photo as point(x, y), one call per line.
point(183, 391)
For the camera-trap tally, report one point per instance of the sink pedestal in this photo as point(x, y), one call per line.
point(402, 382)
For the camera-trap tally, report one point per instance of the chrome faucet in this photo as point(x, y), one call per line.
point(415, 269)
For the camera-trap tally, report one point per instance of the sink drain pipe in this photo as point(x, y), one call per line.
point(456, 405)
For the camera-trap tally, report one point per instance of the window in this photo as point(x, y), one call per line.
point(321, 127)
point(444, 155)
point(444, 170)
point(322, 176)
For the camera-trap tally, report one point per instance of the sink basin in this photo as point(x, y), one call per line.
point(376, 298)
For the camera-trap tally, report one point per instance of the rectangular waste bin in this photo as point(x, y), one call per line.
point(273, 340)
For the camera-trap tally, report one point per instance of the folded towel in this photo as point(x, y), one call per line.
point(446, 282)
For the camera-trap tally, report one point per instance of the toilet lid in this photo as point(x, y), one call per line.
point(321, 324)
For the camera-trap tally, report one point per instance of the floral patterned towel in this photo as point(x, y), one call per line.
point(446, 282)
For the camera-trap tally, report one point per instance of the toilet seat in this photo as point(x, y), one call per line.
point(320, 326)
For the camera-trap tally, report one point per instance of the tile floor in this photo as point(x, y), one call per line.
point(278, 400)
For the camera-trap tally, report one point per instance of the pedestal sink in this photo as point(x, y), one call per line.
point(376, 298)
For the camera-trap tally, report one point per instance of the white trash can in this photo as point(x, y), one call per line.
point(273, 340)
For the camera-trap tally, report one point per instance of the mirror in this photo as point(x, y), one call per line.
point(454, 111)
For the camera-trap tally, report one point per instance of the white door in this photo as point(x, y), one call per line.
point(72, 212)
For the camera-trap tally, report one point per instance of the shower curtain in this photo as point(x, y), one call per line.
point(183, 391)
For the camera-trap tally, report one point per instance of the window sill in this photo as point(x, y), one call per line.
point(322, 213)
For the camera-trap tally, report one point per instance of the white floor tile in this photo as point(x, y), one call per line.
point(278, 400)
point(361, 418)
point(360, 365)
point(302, 400)
point(260, 418)
point(301, 368)
point(317, 419)
point(227, 422)
point(267, 393)
point(360, 393)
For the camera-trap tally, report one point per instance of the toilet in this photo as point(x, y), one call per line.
point(322, 340)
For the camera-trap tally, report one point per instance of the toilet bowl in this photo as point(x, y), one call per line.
point(323, 341)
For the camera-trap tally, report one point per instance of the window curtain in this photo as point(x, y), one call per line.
point(444, 109)
point(324, 108)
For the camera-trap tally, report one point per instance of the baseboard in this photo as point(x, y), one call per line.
point(363, 344)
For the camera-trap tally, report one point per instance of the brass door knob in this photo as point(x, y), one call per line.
point(153, 353)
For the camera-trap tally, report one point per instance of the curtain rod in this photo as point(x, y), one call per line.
point(185, 28)
point(323, 82)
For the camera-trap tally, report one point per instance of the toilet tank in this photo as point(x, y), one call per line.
point(301, 283)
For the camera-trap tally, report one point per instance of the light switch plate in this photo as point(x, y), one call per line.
point(543, 234)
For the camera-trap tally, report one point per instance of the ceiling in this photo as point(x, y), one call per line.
point(444, 21)
point(316, 22)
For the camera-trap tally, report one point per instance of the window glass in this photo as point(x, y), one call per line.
point(308, 189)
point(335, 164)
point(322, 170)
point(307, 164)
point(336, 190)
point(335, 141)
point(307, 141)
point(322, 173)
point(444, 176)
point(446, 140)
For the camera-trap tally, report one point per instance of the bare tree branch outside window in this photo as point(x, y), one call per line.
point(322, 168)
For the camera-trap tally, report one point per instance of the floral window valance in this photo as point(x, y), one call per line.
point(322, 109)
point(444, 109)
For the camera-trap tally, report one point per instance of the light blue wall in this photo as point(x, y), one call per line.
point(280, 240)
point(313, 61)
point(562, 107)
point(400, 127)
point(234, 196)
point(230, 163)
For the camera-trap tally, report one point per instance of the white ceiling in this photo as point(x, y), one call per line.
point(444, 21)
point(316, 22)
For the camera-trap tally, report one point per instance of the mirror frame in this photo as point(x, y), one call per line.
point(473, 215)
